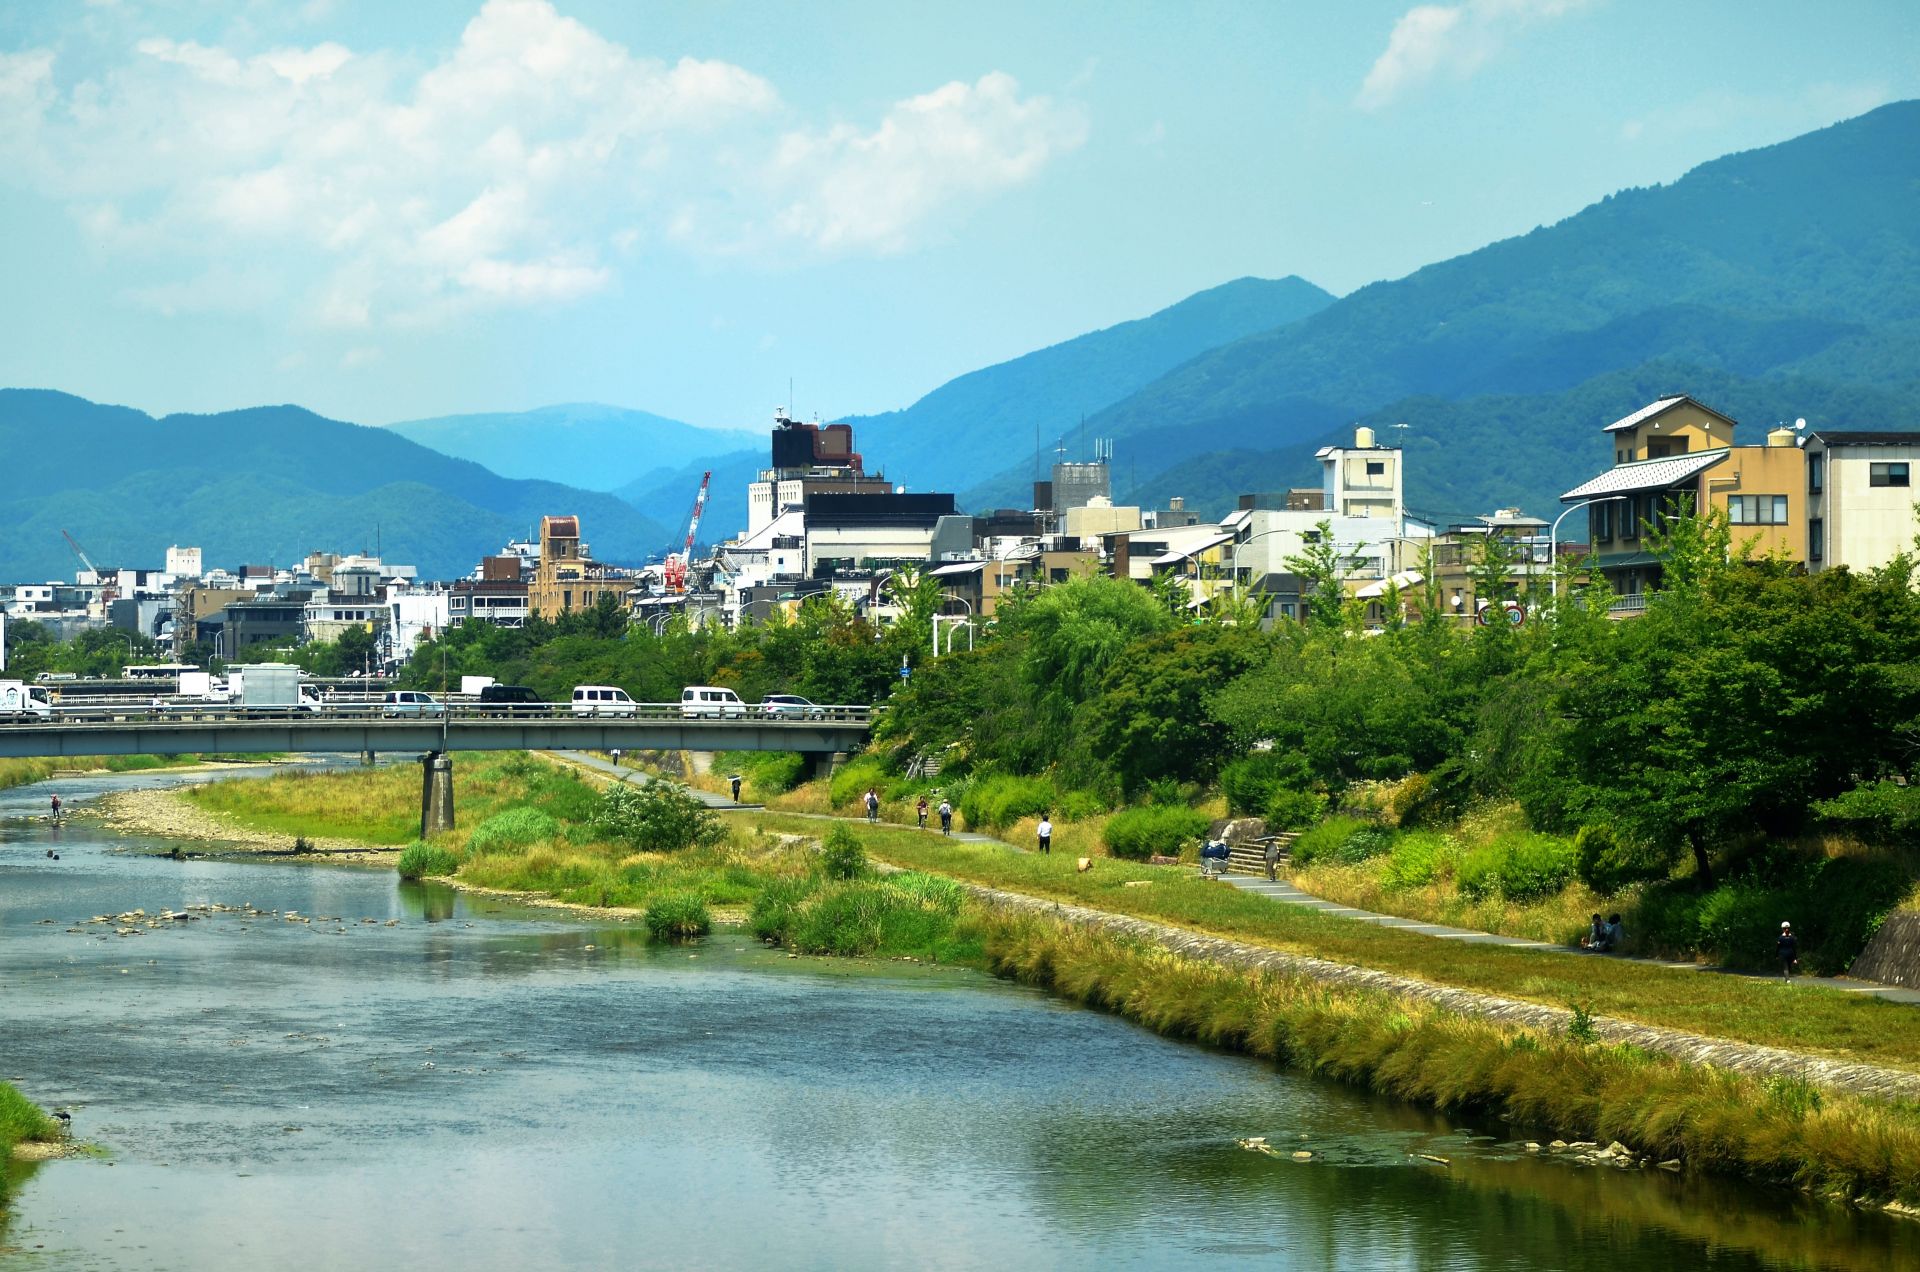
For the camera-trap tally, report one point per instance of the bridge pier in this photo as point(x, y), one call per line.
point(436, 793)
point(822, 765)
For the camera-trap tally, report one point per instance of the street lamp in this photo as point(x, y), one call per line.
point(1553, 538)
point(944, 598)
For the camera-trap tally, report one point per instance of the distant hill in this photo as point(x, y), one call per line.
point(265, 485)
point(966, 428)
point(1795, 263)
point(582, 444)
point(666, 494)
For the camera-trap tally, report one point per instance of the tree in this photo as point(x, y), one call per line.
point(1323, 578)
point(1152, 717)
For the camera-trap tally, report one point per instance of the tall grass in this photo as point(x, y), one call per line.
point(900, 914)
point(1775, 1129)
point(21, 1121)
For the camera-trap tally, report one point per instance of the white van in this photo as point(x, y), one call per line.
point(603, 700)
point(711, 702)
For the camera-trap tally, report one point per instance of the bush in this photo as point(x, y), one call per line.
point(859, 918)
point(775, 909)
point(1291, 809)
point(997, 801)
point(1607, 861)
point(1079, 805)
point(767, 772)
point(1882, 813)
point(1139, 833)
point(1327, 842)
point(675, 916)
point(931, 891)
point(1517, 867)
point(841, 855)
point(421, 860)
point(1418, 859)
point(1250, 781)
point(847, 785)
point(655, 817)
point(514, 828)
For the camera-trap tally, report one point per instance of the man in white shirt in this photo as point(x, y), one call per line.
point(1046, 834)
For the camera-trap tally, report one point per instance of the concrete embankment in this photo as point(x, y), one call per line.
point(1858, 1079)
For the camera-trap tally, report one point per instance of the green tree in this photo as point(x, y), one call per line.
point(1323, 578)
point(1152, 718)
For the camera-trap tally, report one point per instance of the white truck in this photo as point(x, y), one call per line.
point(22, 701)
point(470, 686)
point(270, 687)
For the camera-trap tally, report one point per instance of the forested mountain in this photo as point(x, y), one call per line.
point(582, 444)
point(966, 428)
point(266, 485)
point(1791, 272)
point(666, 494)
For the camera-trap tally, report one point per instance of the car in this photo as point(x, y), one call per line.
point(790, 706)
point(711, 702)
point(603, 700)
point(410, 702)
point(509, 700)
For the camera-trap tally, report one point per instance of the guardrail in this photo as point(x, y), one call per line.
point(117, 712)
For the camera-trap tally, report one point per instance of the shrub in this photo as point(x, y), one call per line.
point(1079, 805)
point(1139, 833)
point(1249, 782)
point(1291, 809)
point(861, 917)
point(997, 801)
point(1882, 812)
point(767, 772)
point(847, 785)
point(774, 910)
point(1418, 858)
point(421, 860)
point(676, 916)
point(1327, 841)
point(841, 855)
point(1516, 867)
point(655, 817)
point(1608, 861)
point(514, 828)
point(932, 891)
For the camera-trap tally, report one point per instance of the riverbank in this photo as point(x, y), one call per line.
point(27, 1133)
point(172, 814)
point(25, 771)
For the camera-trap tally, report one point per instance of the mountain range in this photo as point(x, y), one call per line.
point(265, 485)
point(584, 444)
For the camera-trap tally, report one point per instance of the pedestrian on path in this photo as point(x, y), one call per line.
point(1273, 860)
point(920, 811)
point(873, 805)
point(1046, 835)
point(616, 757)
point(946, 818)
point(1789, 950)
point(734, 781)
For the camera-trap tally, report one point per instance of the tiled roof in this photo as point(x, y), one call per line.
point(1654, 410)
point(1646, 474)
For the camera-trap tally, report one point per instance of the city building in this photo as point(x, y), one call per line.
point(1860, 498)
point(567, 579)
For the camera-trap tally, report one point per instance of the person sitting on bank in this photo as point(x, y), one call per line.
point(1615, 935)
point(1596, 937)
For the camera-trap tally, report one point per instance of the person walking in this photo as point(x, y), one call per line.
point(1272, 857)
point(1046, 835)
point(873, 805)
point(734, 781)
point(1789, 951)
point(946, 818)
point(920, 811)
point(616, 757)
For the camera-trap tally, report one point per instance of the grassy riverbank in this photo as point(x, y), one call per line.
point(1745, 1010)
point(21, 1122)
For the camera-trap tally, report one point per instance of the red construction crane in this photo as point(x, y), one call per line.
point(676, 566)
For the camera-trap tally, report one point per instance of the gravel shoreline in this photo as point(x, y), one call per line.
point(168, 813)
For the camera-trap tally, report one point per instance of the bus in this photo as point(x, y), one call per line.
point(157, 671)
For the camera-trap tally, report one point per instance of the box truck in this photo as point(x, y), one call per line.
point(22, 701)
point(270, 687)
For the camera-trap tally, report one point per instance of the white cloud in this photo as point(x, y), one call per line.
point(1434, 40)
point(521, 166)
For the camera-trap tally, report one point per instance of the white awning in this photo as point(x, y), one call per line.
point(1378, 588)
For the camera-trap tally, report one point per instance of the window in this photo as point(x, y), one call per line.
point(1757, 510)
point(1600, 522)
point(1376, 468)
point(1887, 474)
point(1816, 472)
point(1817, 539)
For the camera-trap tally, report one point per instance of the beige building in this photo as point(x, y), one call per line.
point(1860, 498)
point(568, 580)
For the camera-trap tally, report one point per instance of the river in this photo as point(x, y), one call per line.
point(464, 1081)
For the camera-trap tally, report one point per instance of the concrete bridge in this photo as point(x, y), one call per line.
point(823, 734)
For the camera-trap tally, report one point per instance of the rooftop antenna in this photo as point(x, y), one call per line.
point(1401, 428)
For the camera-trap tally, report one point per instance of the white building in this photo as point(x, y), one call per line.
point(1363, 480)
point(414, 614)
point(183, 562)
point(1860, 498)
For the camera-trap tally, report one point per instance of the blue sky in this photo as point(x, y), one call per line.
point(384, 211)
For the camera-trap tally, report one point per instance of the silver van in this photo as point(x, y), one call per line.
point(603, 700)
point(710, 702)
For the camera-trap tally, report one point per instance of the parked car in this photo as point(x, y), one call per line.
point(710, 702)
point(790, 706)
point(508, 699)
point(603, 700)
point(410, 702)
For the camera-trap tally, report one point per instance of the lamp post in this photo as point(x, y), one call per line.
point(1553, 538)
point(944, 598)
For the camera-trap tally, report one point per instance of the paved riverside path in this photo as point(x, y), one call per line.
point(1286, 893)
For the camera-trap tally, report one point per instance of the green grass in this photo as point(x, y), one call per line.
point(20, 772)
point(1774, 1129)
point(1765, 1012)
point(677, 916)
point(21, 1120)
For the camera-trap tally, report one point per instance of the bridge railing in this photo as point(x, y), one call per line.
point(174, 711)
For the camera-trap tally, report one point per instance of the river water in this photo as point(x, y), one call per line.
point(467, 1082)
